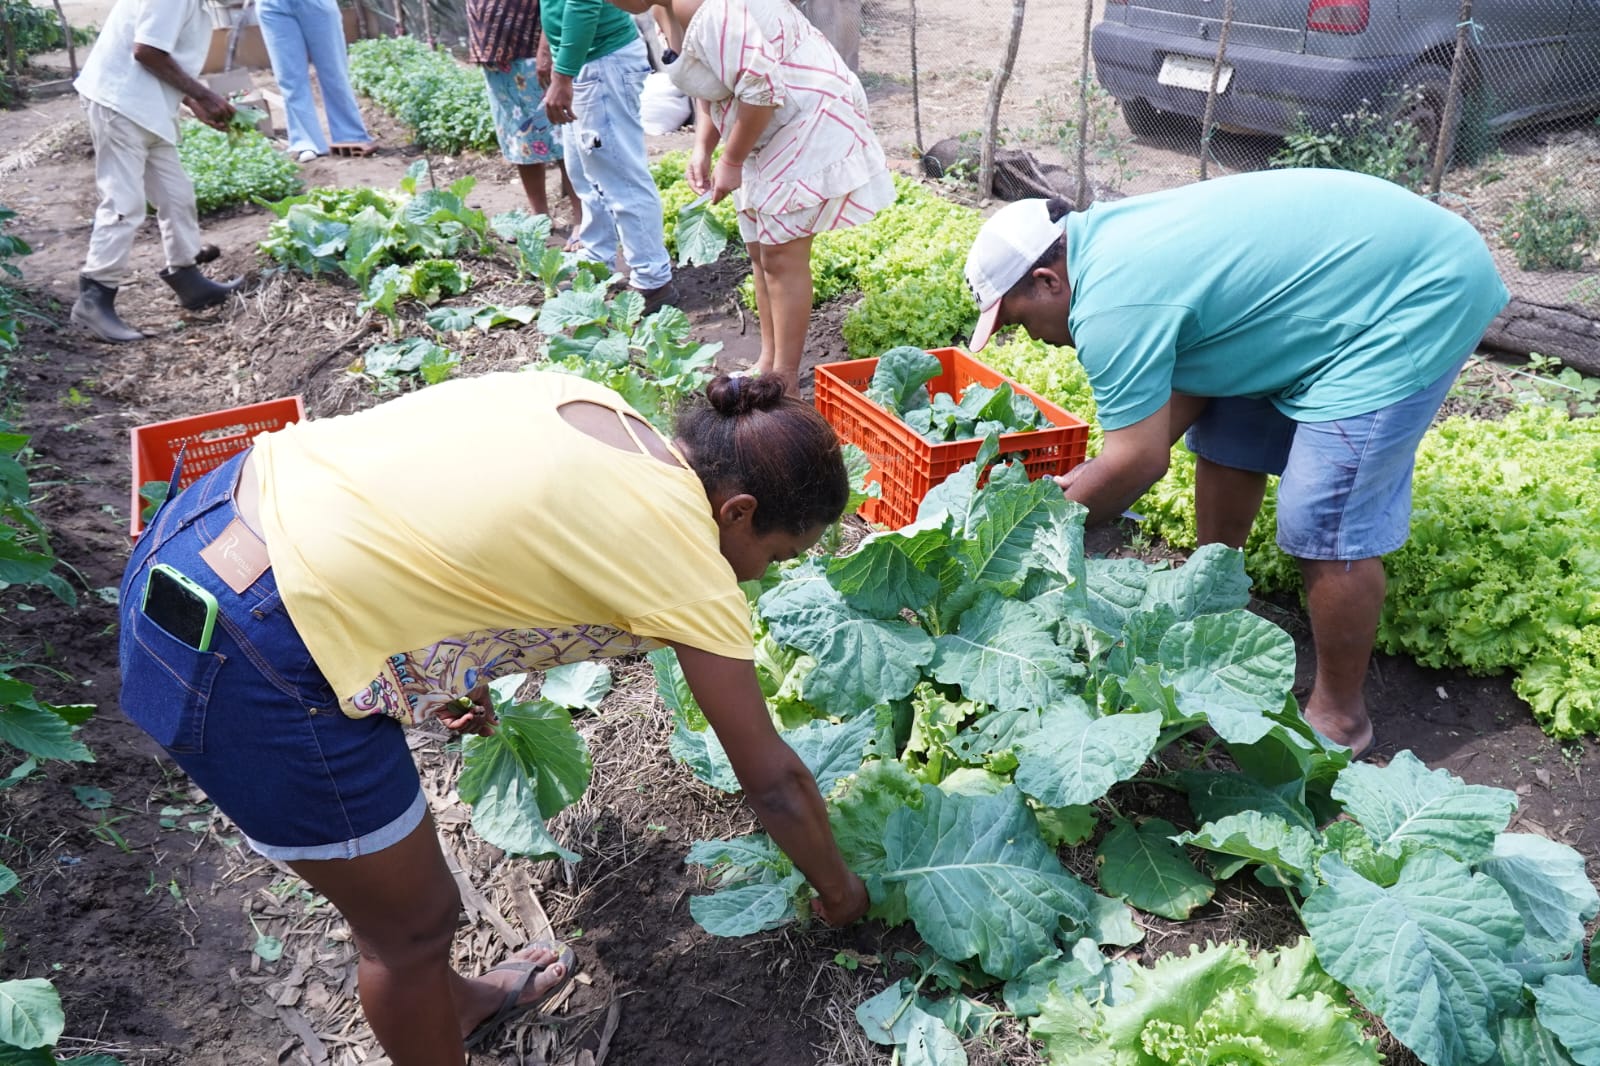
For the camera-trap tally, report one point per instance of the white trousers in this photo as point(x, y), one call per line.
point(133, 167)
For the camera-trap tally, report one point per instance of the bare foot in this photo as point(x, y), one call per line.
point(488, 990)
point(1347, 726)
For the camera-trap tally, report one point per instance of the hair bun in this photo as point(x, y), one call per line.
point(733, 395)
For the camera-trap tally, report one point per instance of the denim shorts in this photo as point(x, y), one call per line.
point(252, 721)
point(1346, 488)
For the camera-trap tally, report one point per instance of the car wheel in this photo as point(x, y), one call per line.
point(1421, 105)
point(1142, 118)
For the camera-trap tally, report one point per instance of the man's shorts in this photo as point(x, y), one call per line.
point(251, 720)
point(1346, 487)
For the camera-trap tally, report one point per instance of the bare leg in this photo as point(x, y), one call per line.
point(788, 281)
point(758, 274)
point(1226, 501)
point(572, 196)
point(1345, 601)
point(402, 906)
point(532, 175)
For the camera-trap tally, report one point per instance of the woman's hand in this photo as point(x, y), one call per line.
point(472, 713)
point(698, 172)
point(725, 178)
point(848, 907)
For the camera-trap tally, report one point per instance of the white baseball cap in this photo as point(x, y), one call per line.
point(1010, 242)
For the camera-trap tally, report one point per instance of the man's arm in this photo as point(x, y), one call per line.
point(1132, 459)
point(211, 108)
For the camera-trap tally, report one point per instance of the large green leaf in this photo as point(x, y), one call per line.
point(1057, 578)
point(755, 886)
point(1430, 955)
point(832, 751)
point(701, 236)
point(980, 882)
point(1232, 668)
point(891, 572)
point(900, 380)
point(1214, 794)
point(1290, 850)
point(33, 729)
point(577, 685)
point(1212, 581)
point(1000, 529)
point(858, 815)
point(571, 309)
point(1405, 801)
point(897, 1016)
point(1003, 654)
point(30, 1013)
point(1569, 1006)
point(1550, 888)
point(1524, 1042)
point(702, 752)
point(534, 765)
point(1075, 758)
point(1141, 865)
point(861, 661)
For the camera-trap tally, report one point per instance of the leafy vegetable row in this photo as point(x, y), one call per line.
point(236, 167)
point(967, 692)
point(445, 104)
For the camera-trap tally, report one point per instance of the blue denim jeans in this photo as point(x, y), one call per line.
point(604, 151)
point(295, 30)
point(251, 720)
point(1346, 488)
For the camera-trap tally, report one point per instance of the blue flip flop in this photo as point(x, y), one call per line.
point(510, 1007)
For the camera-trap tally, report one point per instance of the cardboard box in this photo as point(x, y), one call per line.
point(251, 51)
point(238, 85)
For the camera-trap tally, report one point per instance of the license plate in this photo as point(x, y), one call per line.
point(1192, 72)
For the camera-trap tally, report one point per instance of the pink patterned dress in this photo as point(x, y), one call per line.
point(817, 165)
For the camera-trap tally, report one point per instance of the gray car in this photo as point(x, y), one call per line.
point(1529, 59)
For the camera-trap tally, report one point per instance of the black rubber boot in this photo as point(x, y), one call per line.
point(94, 311)
point(195, 290)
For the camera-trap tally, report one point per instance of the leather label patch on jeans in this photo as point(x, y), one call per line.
point(237, 556)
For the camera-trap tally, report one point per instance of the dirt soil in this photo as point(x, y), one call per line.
point(150, 917)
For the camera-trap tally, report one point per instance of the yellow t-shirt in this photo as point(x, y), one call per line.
point(473, 506)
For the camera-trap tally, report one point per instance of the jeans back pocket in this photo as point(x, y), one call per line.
point(166, 684)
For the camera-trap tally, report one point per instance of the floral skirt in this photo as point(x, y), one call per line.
point(517, 102)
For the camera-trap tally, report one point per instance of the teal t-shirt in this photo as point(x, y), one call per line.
point(581, 30)
point(1331, 293)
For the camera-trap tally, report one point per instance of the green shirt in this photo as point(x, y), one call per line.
point(1331, 293)
point(581, 30)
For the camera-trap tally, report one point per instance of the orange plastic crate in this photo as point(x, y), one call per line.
point(904, 464)
point(212, 440)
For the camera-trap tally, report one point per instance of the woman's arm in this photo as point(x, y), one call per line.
point(749, 121)
point(706, 137)
point(776, 783)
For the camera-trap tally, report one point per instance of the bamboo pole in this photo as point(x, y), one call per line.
point(1085, 193)
point(1452, 101)
point(1211, 92)
point(66, 34)
point(997, 91)
point(427, 23)
point(916, 82)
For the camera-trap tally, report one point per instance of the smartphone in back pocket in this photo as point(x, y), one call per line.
point(181, 606)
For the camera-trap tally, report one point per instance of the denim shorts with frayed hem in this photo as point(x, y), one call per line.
point(1346, 488)
point(252, 721)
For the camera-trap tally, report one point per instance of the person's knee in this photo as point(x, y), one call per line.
point(419, 939)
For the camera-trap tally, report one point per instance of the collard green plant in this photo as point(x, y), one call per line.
point(417, 356)
point(360, 231)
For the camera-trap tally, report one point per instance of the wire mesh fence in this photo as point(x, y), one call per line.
point(1488, 105)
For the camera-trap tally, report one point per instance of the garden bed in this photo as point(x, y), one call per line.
point(152, 940)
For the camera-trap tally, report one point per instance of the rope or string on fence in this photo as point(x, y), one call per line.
point(1211, 92)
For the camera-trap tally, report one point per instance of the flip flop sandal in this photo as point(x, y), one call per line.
point(510, 1008)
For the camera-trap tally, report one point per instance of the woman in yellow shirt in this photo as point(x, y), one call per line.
point(370, 569)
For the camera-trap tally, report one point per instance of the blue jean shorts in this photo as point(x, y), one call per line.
point(1346, 488)
point(252, 721)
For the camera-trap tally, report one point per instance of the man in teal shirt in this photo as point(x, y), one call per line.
point(1306, 323)
point(593, 65)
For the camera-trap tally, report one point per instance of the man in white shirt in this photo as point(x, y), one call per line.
point(142, 67)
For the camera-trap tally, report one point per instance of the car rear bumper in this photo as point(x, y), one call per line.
point(1269, 88)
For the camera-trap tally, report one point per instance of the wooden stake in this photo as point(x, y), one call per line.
point(997, 91)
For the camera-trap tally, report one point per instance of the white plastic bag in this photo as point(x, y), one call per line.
point(661, 106)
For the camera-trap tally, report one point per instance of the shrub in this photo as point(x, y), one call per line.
point(1367, 140)
point(1548, 229)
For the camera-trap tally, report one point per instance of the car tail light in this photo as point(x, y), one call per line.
point(1337, 16)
